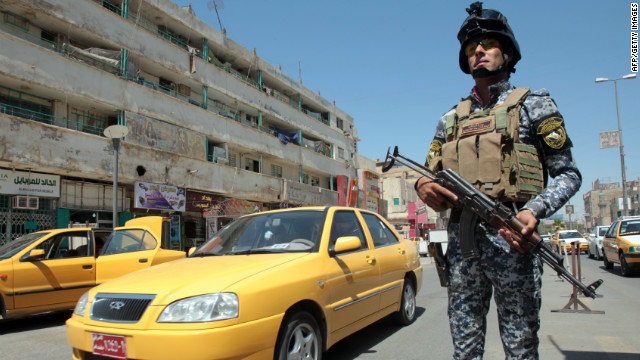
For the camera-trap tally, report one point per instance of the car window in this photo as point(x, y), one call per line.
point(277, 232)
point(130, 240)
point(345, 223)
point(67, 245)
point(613, 230)
point(380, 233)
point(630, 227)
point(602, 231)
point(13, 247)
point(570, 235)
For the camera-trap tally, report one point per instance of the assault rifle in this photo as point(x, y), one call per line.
point(476, 204)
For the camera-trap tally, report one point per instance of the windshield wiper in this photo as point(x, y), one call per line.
point(205, 254)
point(255, 251)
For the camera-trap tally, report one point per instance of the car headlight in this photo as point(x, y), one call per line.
point(81, 306)
point(634, 249)
point(203, 308)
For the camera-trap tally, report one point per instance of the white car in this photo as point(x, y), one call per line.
point(595, 241)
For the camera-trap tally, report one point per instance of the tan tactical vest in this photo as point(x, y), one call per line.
point(485, 149)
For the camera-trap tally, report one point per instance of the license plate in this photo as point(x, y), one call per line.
point(113, 346)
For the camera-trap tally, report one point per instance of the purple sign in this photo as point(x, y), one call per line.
point(158, 196)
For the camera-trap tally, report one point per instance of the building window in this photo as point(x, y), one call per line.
point(276, 171)
point(396, 201)
point(340, 123)
point(315, 181)
point(252, 165)
point(232, 160)
point(17, 21)
point(305, 178)
point(340, 153)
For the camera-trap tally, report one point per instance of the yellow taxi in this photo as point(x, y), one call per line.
point(416, 240)
point(285, 284)
point(49, 270)
point(621, 245)
point(562, 239)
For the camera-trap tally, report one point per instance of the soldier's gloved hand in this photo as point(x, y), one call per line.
point(435, 196)
point(519, 241)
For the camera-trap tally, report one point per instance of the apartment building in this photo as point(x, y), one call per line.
point(603, 203)
point(410, 216)
point(213, 131)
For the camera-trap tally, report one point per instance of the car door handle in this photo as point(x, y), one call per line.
point(370, 259)
point(87, 266)
point(143, 260)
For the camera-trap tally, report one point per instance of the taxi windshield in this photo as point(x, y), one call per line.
point(13, 247)
point(630, 227)
point(277, 232)
point(570, 235)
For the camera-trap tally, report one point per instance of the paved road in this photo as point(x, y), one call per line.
point(564, 336)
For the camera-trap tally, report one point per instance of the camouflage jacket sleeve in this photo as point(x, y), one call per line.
point(435, 148)
point(543, 127)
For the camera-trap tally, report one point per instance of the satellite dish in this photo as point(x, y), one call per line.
point(116, 131)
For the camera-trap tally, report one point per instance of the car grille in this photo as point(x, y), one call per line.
point(124, 308)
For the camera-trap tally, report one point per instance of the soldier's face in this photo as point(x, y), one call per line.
point(491, 59)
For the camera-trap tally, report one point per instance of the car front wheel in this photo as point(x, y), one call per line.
point(407, 313)
point(300, 338)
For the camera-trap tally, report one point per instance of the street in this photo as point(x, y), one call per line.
point(570, 336)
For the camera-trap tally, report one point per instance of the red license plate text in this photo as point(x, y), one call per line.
point(113, 346)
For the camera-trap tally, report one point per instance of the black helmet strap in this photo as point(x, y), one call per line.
point(483, 72)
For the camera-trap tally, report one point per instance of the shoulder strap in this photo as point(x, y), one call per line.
point(515, 97)
point(462, 110)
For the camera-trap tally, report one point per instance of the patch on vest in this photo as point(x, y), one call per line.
point(553, 132)
point(434, 150)
point(476, 127)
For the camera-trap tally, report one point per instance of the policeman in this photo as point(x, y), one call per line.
point(512, 145)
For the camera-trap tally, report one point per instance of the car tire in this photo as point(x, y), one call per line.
point(607, 264)
point(299, 338)
point(625, 268)
point(407, 313)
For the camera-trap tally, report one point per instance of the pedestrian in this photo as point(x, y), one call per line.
point(511, 144)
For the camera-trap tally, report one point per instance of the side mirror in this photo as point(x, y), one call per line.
point(347, 243)
point(34, 255)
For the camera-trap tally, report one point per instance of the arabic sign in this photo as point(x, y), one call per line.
point(199, 202)
point(158, 196)
point(29, 183)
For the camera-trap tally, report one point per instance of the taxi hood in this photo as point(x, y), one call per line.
point(195, 276)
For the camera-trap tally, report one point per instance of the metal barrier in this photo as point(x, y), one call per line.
point(574, 303)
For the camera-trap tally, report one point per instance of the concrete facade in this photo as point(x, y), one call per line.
point(603, 202)
point(227, 123)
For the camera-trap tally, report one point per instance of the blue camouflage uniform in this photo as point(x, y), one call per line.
point(514, 278)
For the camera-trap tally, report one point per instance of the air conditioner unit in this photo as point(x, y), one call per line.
point(24, 202)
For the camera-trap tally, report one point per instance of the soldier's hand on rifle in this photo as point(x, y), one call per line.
point(519, 241)
point(434, 195)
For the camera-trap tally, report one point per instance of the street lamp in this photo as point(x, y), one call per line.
point(115, 133)
point(625, 210)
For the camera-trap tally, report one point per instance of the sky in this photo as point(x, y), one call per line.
point(393, 66)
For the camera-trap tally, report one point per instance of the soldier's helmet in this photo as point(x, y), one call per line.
point(486, 22)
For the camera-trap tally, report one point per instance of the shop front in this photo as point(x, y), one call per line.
point(27, 203)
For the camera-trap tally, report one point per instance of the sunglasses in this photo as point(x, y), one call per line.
point(486, 44)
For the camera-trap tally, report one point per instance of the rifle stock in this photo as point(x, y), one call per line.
point(475, 205)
